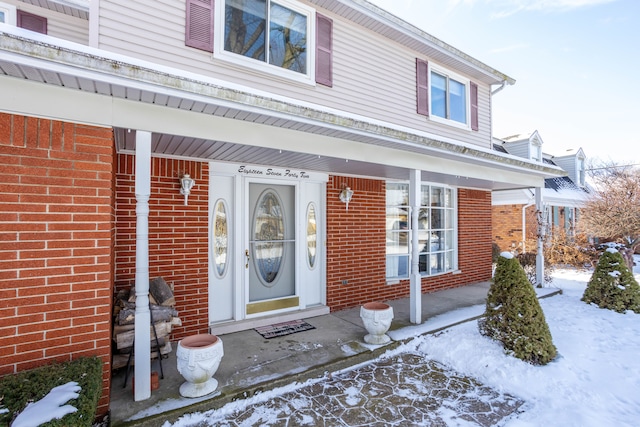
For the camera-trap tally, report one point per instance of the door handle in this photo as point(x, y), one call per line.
point(246, 253)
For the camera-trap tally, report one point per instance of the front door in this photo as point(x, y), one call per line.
point(270, 254)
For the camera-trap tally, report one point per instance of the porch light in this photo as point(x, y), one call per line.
point(186, 184)
point(345, 196)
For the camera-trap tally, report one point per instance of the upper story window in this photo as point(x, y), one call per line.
point(267, 31)
point(536, 151)
point(446, 97)
point(279, 37)
point(581, 171)
point(268, 35)
point(7, 14)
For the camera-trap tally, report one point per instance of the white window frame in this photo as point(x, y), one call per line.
point(460, 79)
point(262, 66)
point(536, 152)
point(581, 170)
point(454, 229)
point(9, 13)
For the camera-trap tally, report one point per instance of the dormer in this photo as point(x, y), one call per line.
point(527, 145)
point(573, 161)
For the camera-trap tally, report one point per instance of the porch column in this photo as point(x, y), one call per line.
point(541, 232)
point(142, 348)
point(415, 293)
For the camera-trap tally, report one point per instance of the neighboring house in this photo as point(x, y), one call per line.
point(514, 212)
point(309, 145)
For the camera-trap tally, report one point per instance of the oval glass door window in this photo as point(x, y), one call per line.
point(312, 235)
point(268, 237)
point(220, 238)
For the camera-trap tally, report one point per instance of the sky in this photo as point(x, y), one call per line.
point(575, 64)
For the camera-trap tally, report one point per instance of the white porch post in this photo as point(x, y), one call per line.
point(415, 293)
point(541, 233)
point(142, 348)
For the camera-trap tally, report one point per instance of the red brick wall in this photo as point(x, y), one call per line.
point(55, 244)
point(356, 244)
point(507, 225)
point(474, 236)
point(177, 235)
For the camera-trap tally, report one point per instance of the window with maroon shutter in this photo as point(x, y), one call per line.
point(324, 47)
point(199, 24)
point(422, 87)
point(474, 105)
point(31, 22)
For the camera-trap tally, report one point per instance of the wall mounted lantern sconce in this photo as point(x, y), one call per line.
point(345, 196)
point(186, 184)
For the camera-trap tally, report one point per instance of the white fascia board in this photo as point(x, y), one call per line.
point(569, 198)
point(106, 111)
point(381, 15)
point(87, 62)
point(521, 196)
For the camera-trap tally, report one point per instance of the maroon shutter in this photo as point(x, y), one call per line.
point(199, 25)
point(324, 50)
point(31, 22)
point(474, 105)
point(422, 86)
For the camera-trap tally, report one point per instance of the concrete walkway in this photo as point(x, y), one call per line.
point(252, 364)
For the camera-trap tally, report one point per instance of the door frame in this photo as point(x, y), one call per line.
point(246, 224)
point(228, 296)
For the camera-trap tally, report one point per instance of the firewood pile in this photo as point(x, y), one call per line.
point(163, 314)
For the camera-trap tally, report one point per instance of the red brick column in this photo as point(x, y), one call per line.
point(56, 225)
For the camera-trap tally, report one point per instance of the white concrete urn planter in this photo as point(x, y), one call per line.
point(377, 317)
point(198, 359)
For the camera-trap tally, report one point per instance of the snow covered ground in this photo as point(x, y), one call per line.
point(595, 380)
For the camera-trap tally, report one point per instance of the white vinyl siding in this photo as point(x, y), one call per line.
point(372, 76)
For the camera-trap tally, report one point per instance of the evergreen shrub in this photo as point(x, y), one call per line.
point(612, 284)
point(17, 390)
point(514, 317)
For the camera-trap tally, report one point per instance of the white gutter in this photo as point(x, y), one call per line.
point(498, 89)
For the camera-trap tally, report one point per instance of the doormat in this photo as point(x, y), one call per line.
point(281, 329)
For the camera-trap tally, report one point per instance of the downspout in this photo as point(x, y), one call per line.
point(498, 89)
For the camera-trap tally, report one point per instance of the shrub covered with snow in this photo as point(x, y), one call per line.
point(514, 317)
point(612, 285)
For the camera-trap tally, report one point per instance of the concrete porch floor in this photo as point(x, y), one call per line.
point(252, 364)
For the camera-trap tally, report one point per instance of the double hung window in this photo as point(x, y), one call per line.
point(446, 97)
point(436, 230)
point(449, 97)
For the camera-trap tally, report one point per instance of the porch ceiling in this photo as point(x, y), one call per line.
point(27, 58)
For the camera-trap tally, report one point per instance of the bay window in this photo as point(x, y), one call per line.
point(437, 233)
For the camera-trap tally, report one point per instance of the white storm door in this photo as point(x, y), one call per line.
point(270, 255)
